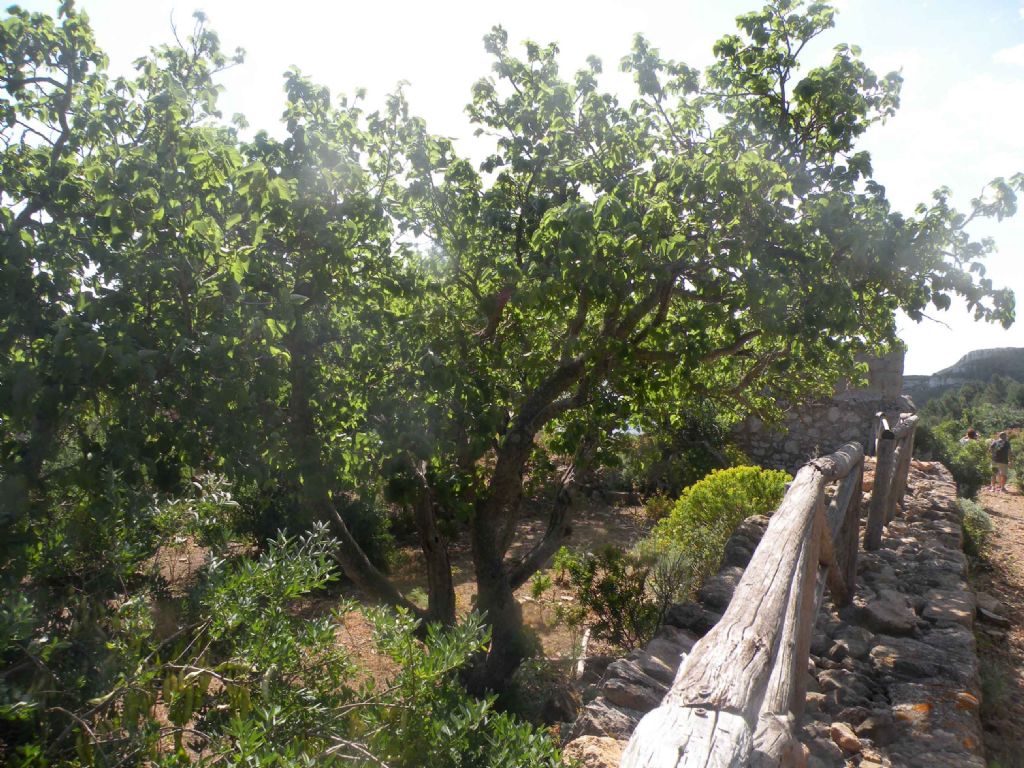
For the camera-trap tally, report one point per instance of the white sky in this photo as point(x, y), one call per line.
point(960, 123)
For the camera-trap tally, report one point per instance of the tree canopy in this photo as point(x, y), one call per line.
point(355, 312)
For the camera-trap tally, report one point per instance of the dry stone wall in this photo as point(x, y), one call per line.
point(815, 428)
point(893, 679)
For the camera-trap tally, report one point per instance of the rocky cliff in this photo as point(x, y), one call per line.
point(979, 365)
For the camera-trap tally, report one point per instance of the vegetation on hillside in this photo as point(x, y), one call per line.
point(351, 323)
point(990, 408)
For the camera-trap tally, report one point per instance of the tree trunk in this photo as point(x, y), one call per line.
point(305, 445)
point(497, 602)
point(440, 590)
point(492, 526)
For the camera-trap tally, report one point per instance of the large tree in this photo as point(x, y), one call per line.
point(717, 239)
point(355, 304)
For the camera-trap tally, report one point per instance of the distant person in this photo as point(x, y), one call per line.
point(1000, 450)
point(972, 434)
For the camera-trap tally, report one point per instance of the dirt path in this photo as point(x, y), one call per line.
point(1001, 575)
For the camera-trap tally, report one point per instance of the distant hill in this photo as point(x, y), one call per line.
point(979, 365)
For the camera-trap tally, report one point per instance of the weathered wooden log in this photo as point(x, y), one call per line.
point(733, 698)
point(906, 425)
point(850, 536)
point(904, 453)
point(884, 458)
point(838, 465)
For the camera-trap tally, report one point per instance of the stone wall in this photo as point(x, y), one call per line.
point(818, 428)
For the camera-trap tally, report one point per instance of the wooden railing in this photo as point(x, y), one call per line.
point(737, 695)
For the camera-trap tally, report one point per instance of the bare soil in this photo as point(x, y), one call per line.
point(595, 524)
point(1001, 574)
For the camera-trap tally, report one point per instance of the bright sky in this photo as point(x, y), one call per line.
point(961, 121)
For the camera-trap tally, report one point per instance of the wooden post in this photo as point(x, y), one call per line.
point(840, 539)
point(905, 433)
point(884, 456)
point(852, 532)
point(894, 482)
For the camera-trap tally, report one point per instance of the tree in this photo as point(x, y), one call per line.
point(356, 309)
point(718, 240)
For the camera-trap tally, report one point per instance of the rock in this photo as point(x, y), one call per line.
point(856, 634)
point(815, 702)
point(852, 716)
point(989, 602)
point(630, 687)
point(879, 727)
point(891, 613)
point(717, 590)
point(691, 616)
point(594, 752)
point(627, 694)
point(653, 666)
point(950, 607)
point(913, 660)
point(744, 540)
point(670, 644)
point(845, 738)
point(955, 640)
point(812, 683)
point(602, 718)
point(594, 668)
point(561, 704)
point(820, 644)
point(993, 618)
point(848, 647)
point(850, 689)
point(967, 701)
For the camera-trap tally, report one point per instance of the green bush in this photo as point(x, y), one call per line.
point(971, 466)
point(624, 595)
point(970, 463)
point(708, 512)
point(92, 681)
point(977, 527)
point(1017, 461)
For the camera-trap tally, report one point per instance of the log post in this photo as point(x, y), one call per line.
point(840, 538)
point(904, 453)
point(851, 534)
point(885, 449)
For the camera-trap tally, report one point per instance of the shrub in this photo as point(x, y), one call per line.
point(93, 681)
point(971, 466)
point(1017, 461)
point(708, 512)
point(624, 594)
point(970, 463)
point(977, 527)
point(670, 575)
point(657, 507)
